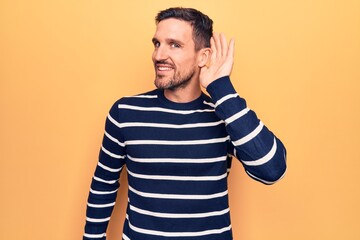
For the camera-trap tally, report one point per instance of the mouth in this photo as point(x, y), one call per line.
point(159, 68)
point(163, 68)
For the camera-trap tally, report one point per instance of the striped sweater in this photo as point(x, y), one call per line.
point(177, 157)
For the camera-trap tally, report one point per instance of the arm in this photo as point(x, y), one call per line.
point(105, 182)
point(262, 154)
point(260, 151)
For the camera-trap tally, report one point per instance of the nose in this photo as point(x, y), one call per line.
point(160, 53)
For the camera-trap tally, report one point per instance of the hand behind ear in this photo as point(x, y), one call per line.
point(221, 60)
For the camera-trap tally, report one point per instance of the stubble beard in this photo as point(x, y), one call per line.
point(173, 83)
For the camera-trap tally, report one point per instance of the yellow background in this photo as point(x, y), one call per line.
point(63, 63)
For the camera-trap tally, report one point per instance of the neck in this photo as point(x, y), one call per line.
point(183, 95)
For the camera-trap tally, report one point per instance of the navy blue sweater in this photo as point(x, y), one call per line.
point(177, 157)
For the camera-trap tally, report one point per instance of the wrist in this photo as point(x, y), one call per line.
point(220, 87)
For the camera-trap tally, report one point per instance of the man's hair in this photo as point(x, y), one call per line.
point(201, 23)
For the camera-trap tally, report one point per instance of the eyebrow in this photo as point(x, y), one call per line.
point(169, 40)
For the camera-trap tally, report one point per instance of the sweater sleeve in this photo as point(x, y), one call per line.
point(262, 154)
point(105, 182)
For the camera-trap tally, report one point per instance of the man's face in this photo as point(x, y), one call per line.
point(174, 56)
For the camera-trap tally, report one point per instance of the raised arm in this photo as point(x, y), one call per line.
point(262, 154)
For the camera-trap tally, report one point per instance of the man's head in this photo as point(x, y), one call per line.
point(201, 23)
point(181, 47)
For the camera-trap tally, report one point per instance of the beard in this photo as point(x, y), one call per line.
point(174, 82)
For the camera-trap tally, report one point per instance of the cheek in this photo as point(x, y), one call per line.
point(189, 64)
point(186, 62)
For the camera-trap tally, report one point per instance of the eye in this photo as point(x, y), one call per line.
point(156, 44)
point(175, 45)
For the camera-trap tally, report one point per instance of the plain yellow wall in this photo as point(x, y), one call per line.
point(63, 63)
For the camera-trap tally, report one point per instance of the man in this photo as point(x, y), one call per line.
point(177, 142)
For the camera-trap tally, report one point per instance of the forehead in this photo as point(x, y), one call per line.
point(174, 29)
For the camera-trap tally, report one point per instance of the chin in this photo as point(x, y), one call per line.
point(162, 82)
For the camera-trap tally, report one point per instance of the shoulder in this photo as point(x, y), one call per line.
point(128, 103)
point(140, 100)
point(134, 98)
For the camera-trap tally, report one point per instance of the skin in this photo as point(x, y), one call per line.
point(180, 70)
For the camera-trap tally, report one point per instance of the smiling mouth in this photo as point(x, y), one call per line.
point(164, 68)
point(162, 71)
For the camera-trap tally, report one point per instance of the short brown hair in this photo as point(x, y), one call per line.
point(201, 23)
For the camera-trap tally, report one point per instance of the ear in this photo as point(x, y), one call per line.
point(204, 56)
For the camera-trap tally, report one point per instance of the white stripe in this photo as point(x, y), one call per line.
point(101, 205)
point(108, 168)
point(114, 139)
point(158, 109)
point(163, 125)
point(227, 97)
point(178, 160)
point(97, 220)
point(178, 178)
point(178, 234)
point(264, 159)
point(101, 235)
point(112, 154)
point(178, 196)
point(237, 116)
point(102, 192)
point(105, 181)
point(179, 215)
point(250, 136)
point(209, 103)
point(187, 142)
point(125, 237)
point(142, 96)
point(116, 124)
point(264, 181)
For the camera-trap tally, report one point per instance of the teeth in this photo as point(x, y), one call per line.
point(164, 68)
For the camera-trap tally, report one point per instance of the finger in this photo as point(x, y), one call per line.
point(213, 49)
point(231, 50)
point(217, 45)
point(224, 45)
